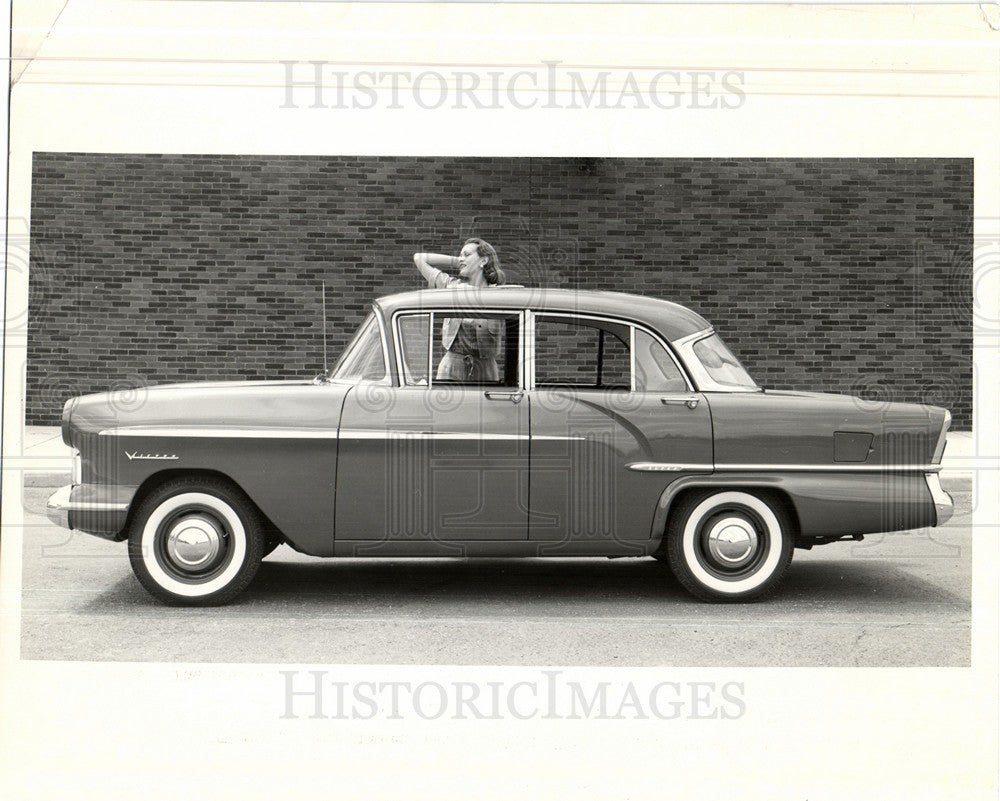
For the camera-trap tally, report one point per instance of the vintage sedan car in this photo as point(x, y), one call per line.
point(616, 426)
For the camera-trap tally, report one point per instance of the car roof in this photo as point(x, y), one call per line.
point(671, 320)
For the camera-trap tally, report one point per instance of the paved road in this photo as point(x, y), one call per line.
point(899, 599)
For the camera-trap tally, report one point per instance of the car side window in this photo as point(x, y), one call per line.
point(363, 360)
point(655, 371)
point(460, 349)
point(414, 330)
point(581, 353)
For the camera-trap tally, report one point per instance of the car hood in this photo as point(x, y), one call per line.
point(256, 404)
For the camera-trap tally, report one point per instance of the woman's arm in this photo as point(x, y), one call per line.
point(429, 265)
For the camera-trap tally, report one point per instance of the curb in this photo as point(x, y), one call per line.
point(958, 483)
point(47, 479)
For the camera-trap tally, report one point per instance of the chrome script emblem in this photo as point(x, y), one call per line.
point(157, 456)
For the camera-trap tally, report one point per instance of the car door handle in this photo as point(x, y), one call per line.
point(513, 397)
point(691, 403)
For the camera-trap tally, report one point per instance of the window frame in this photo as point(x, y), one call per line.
point(532, 318)
point(705, 381)
point(519, 314)
point(354, 344)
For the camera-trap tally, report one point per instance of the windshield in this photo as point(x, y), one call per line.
point(363, 359)
point(721, 365)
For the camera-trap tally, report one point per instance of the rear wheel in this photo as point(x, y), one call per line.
point(728, 546)
point(195, 542)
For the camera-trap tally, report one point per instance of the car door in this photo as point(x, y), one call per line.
point(436, 461)
point(613, 421)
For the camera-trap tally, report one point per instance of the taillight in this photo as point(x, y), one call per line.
point(942, 439)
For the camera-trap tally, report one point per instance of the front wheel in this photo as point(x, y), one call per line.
point(728, 546)
point(195, 542)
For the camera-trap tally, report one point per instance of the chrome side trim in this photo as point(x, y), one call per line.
point(444, 435)
point(942, 438)
point(227, 433)
point(828, 468)
point(943, 504)
point(447, 435)
point(670, 467)
point(666, 467)
point(290, 433)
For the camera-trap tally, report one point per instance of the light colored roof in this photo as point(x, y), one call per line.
point(671, 320)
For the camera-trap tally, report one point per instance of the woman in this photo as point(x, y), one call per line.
point(478, 266)
point(471, 345)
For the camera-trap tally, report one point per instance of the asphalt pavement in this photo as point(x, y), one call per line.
point(893, 600)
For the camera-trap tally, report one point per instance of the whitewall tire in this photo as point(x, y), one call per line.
point(195, 542)
point(730, 545)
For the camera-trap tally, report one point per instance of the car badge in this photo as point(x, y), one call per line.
point(151, 456)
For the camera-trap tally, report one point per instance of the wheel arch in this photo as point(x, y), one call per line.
point(769, 489)
point(161, 477)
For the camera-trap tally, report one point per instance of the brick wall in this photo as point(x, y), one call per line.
point(840, 275)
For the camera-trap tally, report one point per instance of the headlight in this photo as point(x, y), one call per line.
point(64, 421)
point(77, 467)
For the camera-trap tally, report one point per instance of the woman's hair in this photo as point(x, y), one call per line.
point(491, 270)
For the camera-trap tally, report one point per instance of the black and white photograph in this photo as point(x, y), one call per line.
point(458, 383)
point(198, 369)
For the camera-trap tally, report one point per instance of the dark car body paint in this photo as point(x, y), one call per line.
point(291, 478)
point(581, 487)
point(825, 504)
point(324, 476)
point(103, 522)
point(452, 466)
point(798, 428)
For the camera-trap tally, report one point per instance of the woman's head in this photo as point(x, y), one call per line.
point(479, 257)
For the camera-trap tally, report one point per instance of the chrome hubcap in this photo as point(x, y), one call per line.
point(193, 542)
point(732, 542)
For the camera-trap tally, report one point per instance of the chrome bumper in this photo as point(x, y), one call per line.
point(943, 504)
point(57, 507)
point(98, 509)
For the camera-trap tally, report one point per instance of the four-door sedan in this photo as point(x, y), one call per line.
point(615, 426)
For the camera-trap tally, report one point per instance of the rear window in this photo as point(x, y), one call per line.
point(721, 364)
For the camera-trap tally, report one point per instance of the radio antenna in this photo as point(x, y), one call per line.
point(326, 370)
